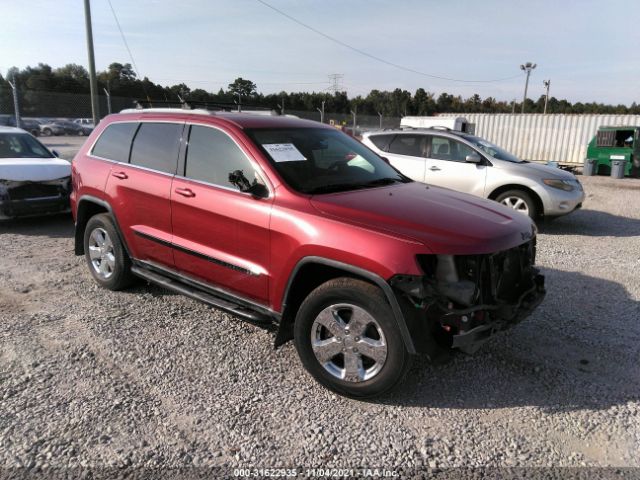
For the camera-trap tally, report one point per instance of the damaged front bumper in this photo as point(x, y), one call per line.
point(462, 301)
point(27, 198)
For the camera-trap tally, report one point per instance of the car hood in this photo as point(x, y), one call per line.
point(445, 221)
point(33, 169)
point(532, 169)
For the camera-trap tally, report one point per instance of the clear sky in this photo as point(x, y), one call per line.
point(589, 49)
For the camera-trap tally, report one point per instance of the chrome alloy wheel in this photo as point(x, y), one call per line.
point(517, 204)
point(348, 342)
point(101, 253)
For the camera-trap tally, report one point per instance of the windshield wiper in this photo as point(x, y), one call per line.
point(383, 181)
point(337, 187)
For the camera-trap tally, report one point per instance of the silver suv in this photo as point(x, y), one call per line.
point(470, 164)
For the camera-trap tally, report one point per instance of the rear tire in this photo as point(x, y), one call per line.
point(348, 339)
point(106, 257)
point(520, 201)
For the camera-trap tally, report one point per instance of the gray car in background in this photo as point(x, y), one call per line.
point(470, 164)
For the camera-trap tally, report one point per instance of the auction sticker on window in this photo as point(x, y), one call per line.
point(284, 152)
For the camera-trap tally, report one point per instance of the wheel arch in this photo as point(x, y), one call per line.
point(518, 186)
point(89, 206)
point(311, 272)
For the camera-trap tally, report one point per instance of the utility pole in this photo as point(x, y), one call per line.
point(380, 115)
point(321, 112)
point(16, 103)
point(93, 83)
point(547, 84)
point(336, 82)
point(281, 105)
point(527, 67)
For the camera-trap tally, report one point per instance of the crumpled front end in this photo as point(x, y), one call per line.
point(462, 300)
point(26, 198)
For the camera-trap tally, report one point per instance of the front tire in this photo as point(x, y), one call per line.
point(520, 201)
point(348, 339)
point(106, 257)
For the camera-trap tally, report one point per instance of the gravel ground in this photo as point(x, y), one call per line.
point(145, 378)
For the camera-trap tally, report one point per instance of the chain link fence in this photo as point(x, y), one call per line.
point(50, 105)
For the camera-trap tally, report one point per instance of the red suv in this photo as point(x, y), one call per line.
point(290, 222)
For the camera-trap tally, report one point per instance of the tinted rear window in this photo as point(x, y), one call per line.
point(156, 146)
point(115, 142)
point(381, 141)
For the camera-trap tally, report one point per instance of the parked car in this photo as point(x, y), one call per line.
point(29, 124)
point(49, 128)
point(290, 222)
point(33, 181)
point(470, 164)
point(71, 128)
point(85, 122)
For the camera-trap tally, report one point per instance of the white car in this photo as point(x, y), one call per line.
point(33, 181)
point(470, 164)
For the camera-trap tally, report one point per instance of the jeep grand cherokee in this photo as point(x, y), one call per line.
point(290, 222)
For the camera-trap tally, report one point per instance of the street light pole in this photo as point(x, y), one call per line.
point(380, 115)
point(321, 112)
point(547, 84)
point(16, 103)
point(93, 83)
point(355, 117)
point(527, 67)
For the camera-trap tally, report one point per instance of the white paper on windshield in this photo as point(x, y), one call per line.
point(284, 152)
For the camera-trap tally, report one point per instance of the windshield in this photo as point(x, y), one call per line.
point(322, 160)
point(492, 150)
point(22, 145)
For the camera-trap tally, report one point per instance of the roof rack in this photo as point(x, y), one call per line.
point(192, 105)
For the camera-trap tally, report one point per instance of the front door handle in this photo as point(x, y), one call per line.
point(185, 192)
point(434, 169)
point(120, 175)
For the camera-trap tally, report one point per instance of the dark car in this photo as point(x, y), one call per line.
point(71, 128)
point(28, 124)
point(290, 222)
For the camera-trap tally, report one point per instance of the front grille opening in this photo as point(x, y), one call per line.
point(34, 190)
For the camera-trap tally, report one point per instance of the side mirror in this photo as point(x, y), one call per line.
point(386, 160)
point(256, 189)
point(55, 153)
point(473, 158)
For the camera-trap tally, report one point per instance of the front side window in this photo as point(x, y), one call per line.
point(382, 141)
point(212, 155)
point(322, 160)
point(21, 145)
point(492, 150)
point(156, 146)
point(115, 142)
point(443, 148)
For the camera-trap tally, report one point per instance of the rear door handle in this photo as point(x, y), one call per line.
point(185, 192)
point(120, 175)
point(434, 169)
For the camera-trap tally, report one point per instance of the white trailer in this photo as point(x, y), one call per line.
point(460, 124)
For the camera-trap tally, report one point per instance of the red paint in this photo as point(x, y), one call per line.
point(379, 229)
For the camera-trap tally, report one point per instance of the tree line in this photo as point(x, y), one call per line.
point(38, 83)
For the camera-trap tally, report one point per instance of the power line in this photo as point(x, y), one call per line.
point(124, 39)
point(378, 59)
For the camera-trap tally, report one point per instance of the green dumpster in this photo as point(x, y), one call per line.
point(615, 144)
